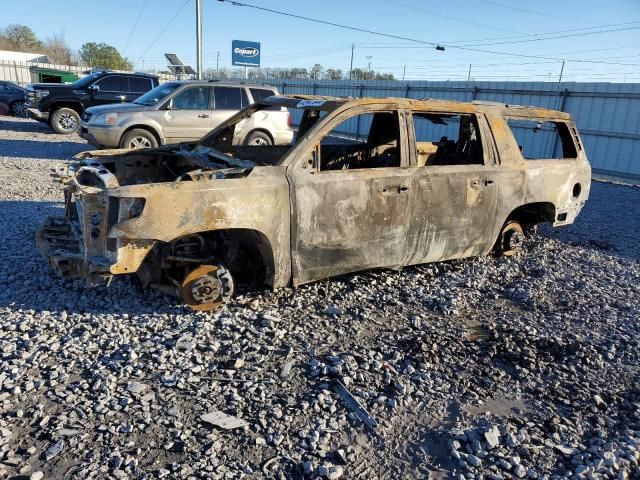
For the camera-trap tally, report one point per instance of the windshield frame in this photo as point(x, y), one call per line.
point(174, 86)
point(209, 139)
point(85, 81)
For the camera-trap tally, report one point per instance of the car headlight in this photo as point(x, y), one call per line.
point(106, 119)
point(42, 93)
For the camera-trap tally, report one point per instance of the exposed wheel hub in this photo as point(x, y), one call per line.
point(207, 287)
point(515, 240)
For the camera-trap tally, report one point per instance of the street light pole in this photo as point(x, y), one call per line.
point(199, 37)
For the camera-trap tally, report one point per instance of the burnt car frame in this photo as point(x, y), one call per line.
point(190, 218)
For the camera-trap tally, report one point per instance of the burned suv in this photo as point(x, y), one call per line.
point(367, 183)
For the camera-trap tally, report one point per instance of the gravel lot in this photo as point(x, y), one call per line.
point(483, 368)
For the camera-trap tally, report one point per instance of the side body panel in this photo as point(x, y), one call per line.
point(455, 206)
point(172, 210)
point(348, 220)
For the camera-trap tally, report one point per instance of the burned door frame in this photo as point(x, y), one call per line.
point(455, 206)
point(348, 220)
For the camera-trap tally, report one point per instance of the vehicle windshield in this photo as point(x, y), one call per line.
point(84, 81)
point(158, 94)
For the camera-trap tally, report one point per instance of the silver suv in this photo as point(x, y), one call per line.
point(185, 111)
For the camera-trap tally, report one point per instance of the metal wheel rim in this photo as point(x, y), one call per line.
point(19, 108)
point(139, 142)
point(67, 121)
point(259, 141)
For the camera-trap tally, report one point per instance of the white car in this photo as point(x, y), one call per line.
point(185, 111)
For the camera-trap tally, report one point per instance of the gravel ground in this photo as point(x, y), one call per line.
point(483, 368)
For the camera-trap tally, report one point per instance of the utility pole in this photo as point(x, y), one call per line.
point(351, 66)
point(199, 37)
point(561, 72)
point(404, 70)
point(469, 74)
point(369, 57)
point(218, 62)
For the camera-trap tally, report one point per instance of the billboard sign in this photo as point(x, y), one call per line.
point(245, 54)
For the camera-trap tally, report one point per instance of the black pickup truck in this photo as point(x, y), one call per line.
point(62, 105)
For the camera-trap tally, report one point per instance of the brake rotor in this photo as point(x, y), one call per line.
point(207, 287)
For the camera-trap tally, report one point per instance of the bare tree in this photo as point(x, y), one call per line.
point(21, 38)
point(58, 51)
point(316, 72)
point(333, 74)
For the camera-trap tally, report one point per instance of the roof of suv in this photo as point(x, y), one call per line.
point(330, 103)
point(224, 84)
point(137, 74)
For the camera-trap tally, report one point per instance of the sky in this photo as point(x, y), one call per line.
point(483, 39)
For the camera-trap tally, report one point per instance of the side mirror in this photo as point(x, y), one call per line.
point(169, 105)
point(94, 88)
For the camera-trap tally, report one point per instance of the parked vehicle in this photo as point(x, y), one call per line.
point(185, 111)
point(14, 96)
point(368, 183)
point(62, 105)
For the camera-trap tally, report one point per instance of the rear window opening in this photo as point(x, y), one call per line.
point(540, 140)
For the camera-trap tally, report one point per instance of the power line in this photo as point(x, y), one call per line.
point(135, 24)
point(531, 12)
point(528, 35)
point(165, 28)
point(399, 37)
point(553, 38)
point(455, 19)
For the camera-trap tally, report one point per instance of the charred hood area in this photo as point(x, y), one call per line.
point(184, 162)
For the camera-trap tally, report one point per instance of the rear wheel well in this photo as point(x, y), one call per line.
point(76, 106)
point(262, 130)
point(149, 129)
point(246, 253)
point(532, 214)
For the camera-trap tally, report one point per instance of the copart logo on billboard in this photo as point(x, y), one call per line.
point(247, 52)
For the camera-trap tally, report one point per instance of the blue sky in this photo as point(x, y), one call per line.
point(288, 42)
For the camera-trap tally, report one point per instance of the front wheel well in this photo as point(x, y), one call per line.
point(246, 253)
point(149, 129)
point(75, 106)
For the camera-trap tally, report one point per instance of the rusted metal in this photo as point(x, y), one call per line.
point(309, 211)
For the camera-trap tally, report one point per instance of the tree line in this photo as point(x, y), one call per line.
point(317, 72)
point(21, 38)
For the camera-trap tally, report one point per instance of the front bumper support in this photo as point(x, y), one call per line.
point(60, 244)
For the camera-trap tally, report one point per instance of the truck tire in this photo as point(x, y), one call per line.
point(65, 121)
point(138, 138)
point(19, 108)
point(258, 138)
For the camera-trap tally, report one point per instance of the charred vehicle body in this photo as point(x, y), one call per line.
point(366, 183)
